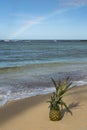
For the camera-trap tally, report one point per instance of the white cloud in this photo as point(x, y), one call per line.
point(28, 24)
point(73, 2)
point(35, 21)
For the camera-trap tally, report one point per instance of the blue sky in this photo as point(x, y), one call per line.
point(43, 19)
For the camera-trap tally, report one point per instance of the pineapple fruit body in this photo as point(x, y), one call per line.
point(55, 115)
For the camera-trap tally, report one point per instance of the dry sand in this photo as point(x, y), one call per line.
point(32, 113)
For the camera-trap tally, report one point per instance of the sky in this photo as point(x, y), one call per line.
point(43, 19)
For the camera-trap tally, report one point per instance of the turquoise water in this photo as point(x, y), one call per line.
point(26, 67)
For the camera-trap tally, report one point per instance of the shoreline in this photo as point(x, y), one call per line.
point(32, 92)
point(33, 113)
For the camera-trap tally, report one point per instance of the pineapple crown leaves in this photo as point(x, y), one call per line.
point(56, 98)
point(61, 86)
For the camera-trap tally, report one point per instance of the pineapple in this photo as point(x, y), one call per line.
point(55, 115)
point(56, 102)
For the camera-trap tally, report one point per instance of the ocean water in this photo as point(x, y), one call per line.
point(26, 67)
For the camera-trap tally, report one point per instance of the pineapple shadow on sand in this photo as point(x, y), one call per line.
point(57, 106)
point(71, 106)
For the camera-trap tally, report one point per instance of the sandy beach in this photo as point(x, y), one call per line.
point(33, 113)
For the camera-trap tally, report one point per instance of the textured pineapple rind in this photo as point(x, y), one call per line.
point(55, 115)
